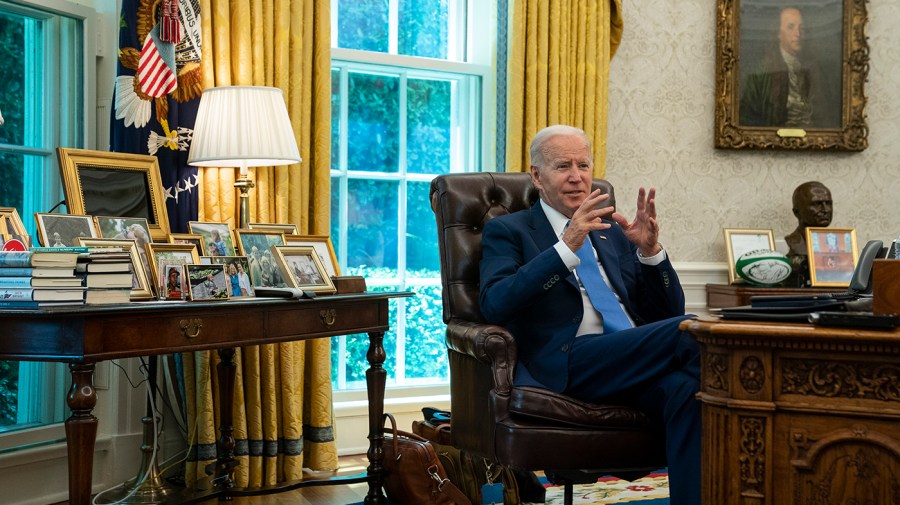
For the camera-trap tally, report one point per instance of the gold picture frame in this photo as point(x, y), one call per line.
point(161, 255)
point(216, 236)
point(752, 76)
point(10, 222)
point(832, 255)
point(322, 245)
point(194, 239)
point(742, 240)
point(141, 290)
point(88, 175)
point(275, 227)
point(302, 268)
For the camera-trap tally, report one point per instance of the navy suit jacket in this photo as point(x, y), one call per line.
point(527, 288)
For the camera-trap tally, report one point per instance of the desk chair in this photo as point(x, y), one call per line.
point(527, 428)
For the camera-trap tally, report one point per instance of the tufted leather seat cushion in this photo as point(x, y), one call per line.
point(539, 403)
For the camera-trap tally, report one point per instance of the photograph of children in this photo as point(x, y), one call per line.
point(134, 228)
point(174, 285)
point(304, 268)
point(216, 238)
point(237, 274)
point(63, 230)
point(208, 282)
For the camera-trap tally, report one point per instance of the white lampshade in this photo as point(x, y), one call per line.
point(242, 126)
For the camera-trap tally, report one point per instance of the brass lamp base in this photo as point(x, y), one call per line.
point(153, 489)
point(244, 184)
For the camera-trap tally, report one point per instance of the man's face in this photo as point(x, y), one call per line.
point(816, 207)
point(565, 180)
point(790, 35)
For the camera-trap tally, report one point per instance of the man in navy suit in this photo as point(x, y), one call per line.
point(529, 285)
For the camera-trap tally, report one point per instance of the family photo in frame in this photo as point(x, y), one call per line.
point(791, 76)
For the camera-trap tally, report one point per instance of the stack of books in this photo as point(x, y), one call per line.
point(41, 276)
point(107, 275)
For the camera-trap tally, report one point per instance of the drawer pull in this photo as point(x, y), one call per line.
point(190, 328)
point(328, 316)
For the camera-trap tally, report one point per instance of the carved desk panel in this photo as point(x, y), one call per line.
point(799, 415)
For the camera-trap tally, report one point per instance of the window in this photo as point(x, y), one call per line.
point(410, 88)
point(46, 76)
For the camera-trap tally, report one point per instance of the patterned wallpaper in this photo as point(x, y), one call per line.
point(661, 134)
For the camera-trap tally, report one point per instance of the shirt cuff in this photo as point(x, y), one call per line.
point(654, 260)
point(567, 255)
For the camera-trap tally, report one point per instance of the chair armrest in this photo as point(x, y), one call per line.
point(487, 343)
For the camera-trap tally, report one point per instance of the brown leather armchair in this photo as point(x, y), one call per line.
point(521, 427)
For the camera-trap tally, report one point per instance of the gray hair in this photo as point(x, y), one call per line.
point(536, 151)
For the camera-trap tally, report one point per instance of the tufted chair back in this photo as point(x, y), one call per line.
point(526, 428)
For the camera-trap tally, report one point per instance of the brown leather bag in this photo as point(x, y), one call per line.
point(413, 473)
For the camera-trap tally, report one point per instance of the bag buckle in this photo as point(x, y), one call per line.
point(433, 472)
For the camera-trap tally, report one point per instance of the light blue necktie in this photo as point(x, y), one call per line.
point(601, 295)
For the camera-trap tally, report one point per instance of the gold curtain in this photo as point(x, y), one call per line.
point(559, 72)
point(283, 418)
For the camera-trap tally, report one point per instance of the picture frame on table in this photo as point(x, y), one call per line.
point(832, 255)
point(322, 244)
point(275, 227)
point(63, 230)
point(134, 228)
point(254, 243)
point(13, 235)
point(193, 239)
point(831, 58)
point(217, 239)
point(241, 265)
point(162, 257)
point(207, 282)
point(742, 240)
point(102, 183)
point(141, 289)
point(304, 269)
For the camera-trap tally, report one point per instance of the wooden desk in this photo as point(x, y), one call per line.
point(82, 336)
point(733, 295)
point(794, 414)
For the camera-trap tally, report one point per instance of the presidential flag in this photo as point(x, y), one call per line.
point(157, 91)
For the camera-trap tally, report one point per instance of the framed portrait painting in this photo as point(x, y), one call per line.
point(791, 76)
point(832, 255)
point(102, 183)
point(303, 269)
point(63, 230)
point(739, 241)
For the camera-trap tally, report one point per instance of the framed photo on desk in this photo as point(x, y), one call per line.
point(739, 241)
point(832, 255)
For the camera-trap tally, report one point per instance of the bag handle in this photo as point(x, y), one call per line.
point(444, 485)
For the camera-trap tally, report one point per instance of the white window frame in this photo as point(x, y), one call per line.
point(37, 378)
point(480, 51)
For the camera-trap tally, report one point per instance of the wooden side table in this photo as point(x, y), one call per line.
point(733, 295)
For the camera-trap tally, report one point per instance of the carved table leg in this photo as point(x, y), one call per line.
point(81, 432)
point(376, 377)
point(225, 462)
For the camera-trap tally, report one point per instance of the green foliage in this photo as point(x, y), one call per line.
point(9, 387)
point(425, 352)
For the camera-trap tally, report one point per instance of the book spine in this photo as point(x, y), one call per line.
point(13, 294)
point(15, 271)
point(15, 282)
point(19, 304)
point(15, 259)
point(69, 249)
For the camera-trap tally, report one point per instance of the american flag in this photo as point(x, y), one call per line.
point(156, 70)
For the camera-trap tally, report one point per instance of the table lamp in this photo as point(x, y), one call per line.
point(243, 126)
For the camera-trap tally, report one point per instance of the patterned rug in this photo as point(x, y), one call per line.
point(650, 490)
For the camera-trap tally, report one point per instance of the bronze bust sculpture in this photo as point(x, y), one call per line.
point(812, 205)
